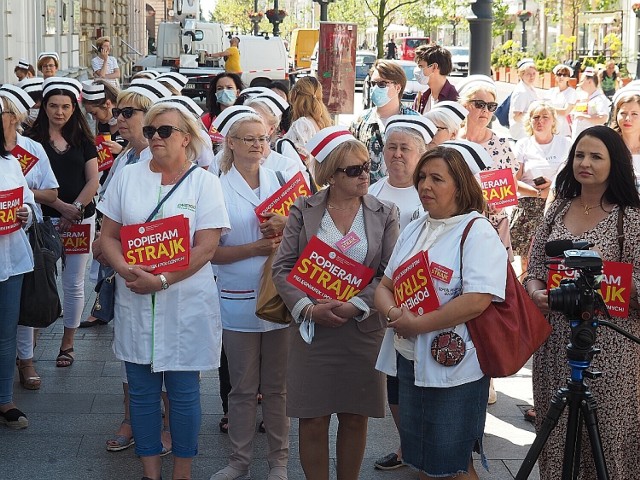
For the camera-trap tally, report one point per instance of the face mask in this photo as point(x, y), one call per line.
point(421, 78)
point(33, 114)
point(112, 121)
point(226, 97)
point(380, 96)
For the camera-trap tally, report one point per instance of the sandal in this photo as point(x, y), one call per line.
point(261, 428)
point(224, 424)
point(64, 358)
point(29, 382)
point(530, 415)
point(120, 442)
point(166, 450)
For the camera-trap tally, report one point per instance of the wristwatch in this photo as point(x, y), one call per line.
point(79, 206)
point(163, 281)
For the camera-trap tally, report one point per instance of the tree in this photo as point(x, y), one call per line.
point(348, 11)
point(234, 13)
point(502, 21)
point(383, 12)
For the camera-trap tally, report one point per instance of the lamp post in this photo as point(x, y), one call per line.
point(480, 29)
point(454, 23)
point(324, 9)
point(524, 16)
point(255, 21)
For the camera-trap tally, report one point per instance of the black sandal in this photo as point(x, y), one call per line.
point(530, 415)
point(224, 424)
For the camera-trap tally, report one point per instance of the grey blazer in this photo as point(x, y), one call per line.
point(382, 226)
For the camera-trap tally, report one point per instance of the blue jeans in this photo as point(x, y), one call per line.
point(183, 390)
point(9, 314)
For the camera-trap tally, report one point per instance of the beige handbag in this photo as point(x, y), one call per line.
point(269, 304)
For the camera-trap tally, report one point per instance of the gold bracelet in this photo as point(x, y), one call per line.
point(389, 311)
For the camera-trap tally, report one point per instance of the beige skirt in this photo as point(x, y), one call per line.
point(335, 373)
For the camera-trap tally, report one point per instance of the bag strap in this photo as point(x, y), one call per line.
point(465, 233)
point(164, 199)
point(280, 178)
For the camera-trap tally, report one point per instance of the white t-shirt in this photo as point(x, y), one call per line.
point(406, 199)
point(178, 328)
point(636, 169)
point(112, 65)
point(541, 160)
point(483, 256)
point(522, 96)
point(41, 176)
point(595, 104)
point(561, 100)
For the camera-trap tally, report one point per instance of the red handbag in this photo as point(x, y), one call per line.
point(507, 333)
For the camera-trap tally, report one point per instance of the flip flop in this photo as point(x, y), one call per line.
point(64, 358)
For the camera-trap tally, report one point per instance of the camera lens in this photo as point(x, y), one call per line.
point(565, 299)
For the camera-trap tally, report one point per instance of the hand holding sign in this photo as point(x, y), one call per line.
point(141, 281)
point(273, 226)
point(324, 313)
point(407, 325)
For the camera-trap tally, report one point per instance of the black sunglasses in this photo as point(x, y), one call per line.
point(381, 83)
point(562, 74)
point(164, 131)
point(480, 104)
point(355, 170)
point(127, 112)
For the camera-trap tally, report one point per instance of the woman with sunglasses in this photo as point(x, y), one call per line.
point(15, 104)
point(563, 98)
point(256, 349)
point(334, 349)
point(166, 323)
point(62, 130)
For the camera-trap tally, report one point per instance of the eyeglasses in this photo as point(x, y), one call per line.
point(49, 65)
point(164, 131)
point(561, 74)
point(248, 141)
point(127, 112)
point(355, 170)
point(481, 104)
point(381, 83)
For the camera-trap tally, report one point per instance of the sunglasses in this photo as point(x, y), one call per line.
point(381, 83)
point(126, 112)
point(560, 74)
point(164, 131)
point(355, 170)
point(480, 104)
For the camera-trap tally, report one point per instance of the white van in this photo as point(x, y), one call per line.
point(263, 59)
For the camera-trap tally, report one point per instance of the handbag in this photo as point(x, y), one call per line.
point(269, 305)
point(507, 333)
point(39, 300)
point(104, 306)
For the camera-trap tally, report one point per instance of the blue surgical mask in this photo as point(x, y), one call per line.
point(380, 96)
point(226, 97)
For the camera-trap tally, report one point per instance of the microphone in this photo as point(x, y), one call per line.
point(556, 248)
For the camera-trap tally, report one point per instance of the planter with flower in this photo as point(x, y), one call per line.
point(636, 9)
point(276, 16)
point(256, 17)
point(524, 15)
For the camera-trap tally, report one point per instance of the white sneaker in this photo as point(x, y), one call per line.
point(230, 473)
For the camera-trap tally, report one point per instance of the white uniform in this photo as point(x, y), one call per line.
point(542, 160)
point(238, 282)
point(406, 199)
point(41, 176)
point(16, 256)
point(483, 255)
point(595, 104)
point(178, 328)
point(561, 100)
point(274, 161)
point(522, 96)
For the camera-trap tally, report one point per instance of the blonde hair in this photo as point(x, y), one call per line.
point(138, 100)
point(306, 101)
point(100, 41)
point(188, 125)
point(269, 118)
point(227, 154)
point(539, 106)
point(9, 106)
point(324, 170)
point(469, 93)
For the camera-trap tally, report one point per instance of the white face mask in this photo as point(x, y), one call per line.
point(421, 78)
point(112, 121)
point(33, 114)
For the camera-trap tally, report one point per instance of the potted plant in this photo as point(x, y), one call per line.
point(524, 15)
point(274, 15)
point(636, 9)
point(256, 17)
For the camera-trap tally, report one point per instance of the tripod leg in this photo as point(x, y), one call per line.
point(556, 407)
point(589, 408)
point(571, 460)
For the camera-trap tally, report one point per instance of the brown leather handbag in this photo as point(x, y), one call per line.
point(269, 304)
point(507, 333)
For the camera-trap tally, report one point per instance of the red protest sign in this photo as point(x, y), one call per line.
point(413, 285)
point(162, 244)
point(77, 239)
point(105, 157)
point(499, 188)
point(10, 203)
point(615, 287)
point(27, 159)
point(324, 272)
point(280, 202)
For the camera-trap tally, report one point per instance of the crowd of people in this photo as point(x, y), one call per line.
point(398, 184)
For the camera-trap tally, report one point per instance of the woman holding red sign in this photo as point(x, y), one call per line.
point(256, 350)
point(596, 197)
point(166, 319)
point(65, 135)
point(433, 388)
point(42, 182)
point(334, 343)
point(17, 260)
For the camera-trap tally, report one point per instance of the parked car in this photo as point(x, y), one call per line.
point(459, 59)
point(407, 46)
point(410, 91)
point(364, 60)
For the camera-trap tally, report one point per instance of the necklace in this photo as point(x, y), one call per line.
point(587, 208)
point(184, 167)
point(333, 207)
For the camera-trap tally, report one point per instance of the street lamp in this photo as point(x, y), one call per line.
point(480, 29)
point(324, 9)
point(524, 15)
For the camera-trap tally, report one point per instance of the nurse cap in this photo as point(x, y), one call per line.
point(525, 62)
point(19, 97)
point(473, 153)
point(185, 104)
point(175, 79)
point(231, 115)
point(455, 111)
point(624, 92)
point(474, 81)
point(151, 89)
point(425, 127)
point(148, 74)
point(93, 91)
point(53, 55)
point(562, 66)
point(275, 102)
point(326, 140)
point(23, 64)
point(63, 83)
point(31, 85)
point(253, 91)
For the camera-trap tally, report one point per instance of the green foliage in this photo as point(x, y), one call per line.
point(502, 22)
point(546, 64)
point(507, 55)
point(383, 11)
point(348, 11)
point(235, 13)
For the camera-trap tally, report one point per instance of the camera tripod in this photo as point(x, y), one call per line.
point(580, 401)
